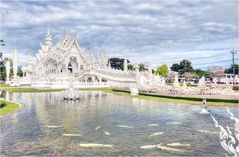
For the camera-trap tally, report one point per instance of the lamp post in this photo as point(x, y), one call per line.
point(233, 64)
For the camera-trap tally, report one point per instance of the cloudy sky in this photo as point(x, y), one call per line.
point(148, 31)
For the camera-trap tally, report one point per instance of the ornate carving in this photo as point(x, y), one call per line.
point(228, 140)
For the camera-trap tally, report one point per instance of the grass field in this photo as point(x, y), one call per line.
point(26, 90)
point(8, 107)
point(191, 101)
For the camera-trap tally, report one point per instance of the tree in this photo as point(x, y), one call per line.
point(130, 67)
point(230, 70)
point(190, 75)
point(162, 70)
point(182, 67)
point(117, 63)
point(19, 71)
point(3, 69)
point(142, 67)
point(205, 73)
point(175, 67)
point(185, 66)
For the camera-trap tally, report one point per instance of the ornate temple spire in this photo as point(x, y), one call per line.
point(15, 60)
point(48, 38)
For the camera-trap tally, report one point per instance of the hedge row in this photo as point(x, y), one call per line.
point(2, 104)
point(182, 97)
point(235, 88)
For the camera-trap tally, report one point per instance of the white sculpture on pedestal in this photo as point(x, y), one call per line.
point(201, 81)
point(71, 93)
point(163, 82)
point(176, 84)
point(125, 65)
point(134, 91)
point(184, 84)
point(8, 71)
point(236, 79)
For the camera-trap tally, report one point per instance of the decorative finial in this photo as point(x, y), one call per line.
point(48, 37)
point(48, 30)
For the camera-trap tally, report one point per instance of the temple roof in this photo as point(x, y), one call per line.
point(58, 52)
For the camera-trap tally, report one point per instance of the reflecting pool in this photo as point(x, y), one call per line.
point(109, 125)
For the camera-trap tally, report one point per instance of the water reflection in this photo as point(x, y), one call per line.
point(48, 125)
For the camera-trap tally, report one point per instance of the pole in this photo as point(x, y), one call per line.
point(233, 65)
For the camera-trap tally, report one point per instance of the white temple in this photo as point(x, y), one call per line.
point(58, 63)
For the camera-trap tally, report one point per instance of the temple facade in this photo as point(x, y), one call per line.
point(64, 57)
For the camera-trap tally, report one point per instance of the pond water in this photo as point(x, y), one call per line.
point(109, 125)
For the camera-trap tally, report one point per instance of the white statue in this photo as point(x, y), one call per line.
point(176, 84)
point(125, 65)
point(136, 67)
point(163, 82)
point(236, 79)
point(7, 71)
point(134, 91)
point(184, 84)
point(201, 81)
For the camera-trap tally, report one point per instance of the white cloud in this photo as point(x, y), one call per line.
point(140, 30)
point(220, 27)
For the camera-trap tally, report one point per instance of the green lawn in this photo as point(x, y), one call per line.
point(236, 88)
point(4, 85)
point(8, 107)
point(28, 90)
point(190, 100)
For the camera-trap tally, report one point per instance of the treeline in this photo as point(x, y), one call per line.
point(3, 69)
point(184, 68)
point(118, 63)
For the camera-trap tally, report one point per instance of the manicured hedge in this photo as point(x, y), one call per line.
point(181, 97)
point(2, 104)
point(8, 107)
point(235, 88)
point(192, 85)
point(121, 90)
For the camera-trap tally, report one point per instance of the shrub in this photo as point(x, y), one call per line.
point(2, 104)
point(235, 87)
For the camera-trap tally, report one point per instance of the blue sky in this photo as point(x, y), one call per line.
point(150, 31)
